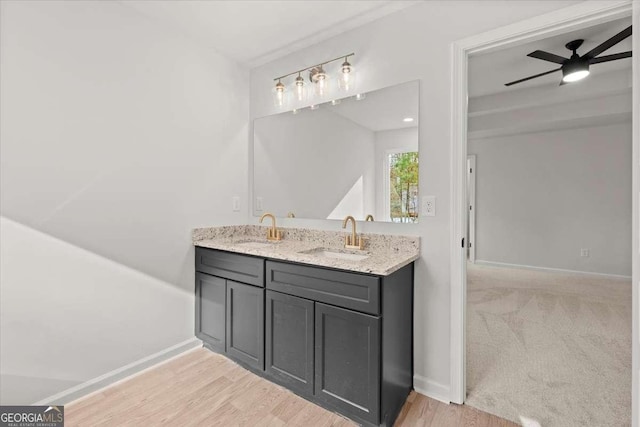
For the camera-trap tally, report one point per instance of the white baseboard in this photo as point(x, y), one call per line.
point(94, 385)
point(558, 270)
point(432, 389)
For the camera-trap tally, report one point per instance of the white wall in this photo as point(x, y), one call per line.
point(118, 137)
point(69, 315)
point(292, 150)
point(413, 44)
point(541, 197)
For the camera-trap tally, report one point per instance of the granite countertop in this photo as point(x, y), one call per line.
point(385, 253)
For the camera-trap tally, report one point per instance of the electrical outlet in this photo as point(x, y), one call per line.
point(429, 206)
point(259, 202)
point(235, 204)
point(584, 252)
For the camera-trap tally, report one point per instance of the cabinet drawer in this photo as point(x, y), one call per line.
point(350, 290)
point(240, 268)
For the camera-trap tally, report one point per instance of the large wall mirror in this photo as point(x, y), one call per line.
point(355, 156)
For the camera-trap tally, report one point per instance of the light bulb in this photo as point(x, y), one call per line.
point(361, 96)
point(335, 102)
point(320, 81)
point(322, 85)
point(279, 95)
point(299, 89)
point(347, 76)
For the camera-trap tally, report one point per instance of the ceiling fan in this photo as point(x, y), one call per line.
point(577, 67)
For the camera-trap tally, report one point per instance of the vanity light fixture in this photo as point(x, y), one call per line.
point(319, 78)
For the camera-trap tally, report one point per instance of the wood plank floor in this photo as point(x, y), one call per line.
point(202, 388)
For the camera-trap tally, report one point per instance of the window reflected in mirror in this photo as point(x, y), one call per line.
point(402, 189)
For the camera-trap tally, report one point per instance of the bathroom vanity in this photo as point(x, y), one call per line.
point(335, 330)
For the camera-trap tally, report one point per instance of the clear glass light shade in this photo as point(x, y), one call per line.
point(280, 95)
point(347, 78)
point(321, 85)
point(299, 89)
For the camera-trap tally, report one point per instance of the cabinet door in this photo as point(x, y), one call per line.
point(245, 324)
point(289, 341)
point(210, 310)
point(347, 353)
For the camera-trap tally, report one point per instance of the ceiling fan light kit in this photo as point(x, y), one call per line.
point(575, 71)
point(576, 67)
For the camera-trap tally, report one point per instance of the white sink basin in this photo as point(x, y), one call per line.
point(328, 253)
point(254, 244)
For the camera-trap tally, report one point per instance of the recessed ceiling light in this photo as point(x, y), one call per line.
point(407, 119)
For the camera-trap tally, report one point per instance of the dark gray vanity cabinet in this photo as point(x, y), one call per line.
point(289, 341)
point(245, 324)
point(341, 339)
point(230, 305)
point(347, 364)
point(363, 336)
point(211, 294)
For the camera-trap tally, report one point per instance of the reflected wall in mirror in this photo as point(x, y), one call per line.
point(348, 157)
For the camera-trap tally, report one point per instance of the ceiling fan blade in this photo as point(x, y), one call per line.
point(532, 77)
point(608, 58)
point(546, 56)
point(608, 44)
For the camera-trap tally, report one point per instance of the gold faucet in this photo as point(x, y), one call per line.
point(273, 233)
point(353, 241)
point(369, 218)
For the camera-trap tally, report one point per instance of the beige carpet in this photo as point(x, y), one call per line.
point(553, 347)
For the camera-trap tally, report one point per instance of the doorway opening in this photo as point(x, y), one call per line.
point(566, 21)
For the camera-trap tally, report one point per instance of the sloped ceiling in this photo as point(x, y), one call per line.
point(256, 32)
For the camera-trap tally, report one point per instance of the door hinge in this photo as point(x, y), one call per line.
point(463, 242)
point(470, 207)
point(470, 170)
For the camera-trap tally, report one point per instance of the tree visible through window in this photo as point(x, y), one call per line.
point(403, 187)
